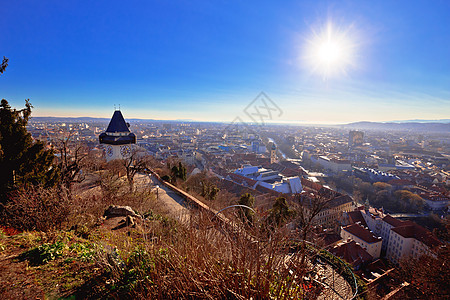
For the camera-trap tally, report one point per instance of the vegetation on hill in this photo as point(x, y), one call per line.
point(379, 194)
point(428, 276)
point(23, 161)
point(246, 214)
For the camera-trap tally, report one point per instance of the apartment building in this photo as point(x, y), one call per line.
point(410, 240)
point(364, 237)
point(331, 216)
point(400, 239)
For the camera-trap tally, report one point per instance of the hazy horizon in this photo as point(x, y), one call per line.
point(285, 122)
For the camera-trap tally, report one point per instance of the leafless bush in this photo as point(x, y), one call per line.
point(205, 260)
point(36, 208)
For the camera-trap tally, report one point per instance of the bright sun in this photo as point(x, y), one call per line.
point(330, 51)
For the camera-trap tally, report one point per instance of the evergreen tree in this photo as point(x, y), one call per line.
point(23, 160)
point(209, 190)
point(3, 65)
point(178, 172)
point(247, 199)
point(280, 212)
point(181, 171)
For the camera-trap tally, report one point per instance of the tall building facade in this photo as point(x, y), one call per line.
point(118, 140)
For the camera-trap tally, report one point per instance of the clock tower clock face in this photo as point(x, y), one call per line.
point(125, 151)
point(109, 151)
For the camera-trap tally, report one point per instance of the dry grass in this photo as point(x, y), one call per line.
point(203, 260)
point(36, 208)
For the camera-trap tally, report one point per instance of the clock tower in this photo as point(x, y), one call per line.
point(117, 139)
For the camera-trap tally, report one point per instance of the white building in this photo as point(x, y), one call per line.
point(401, 239)
point(333, 164)
point(363, 236)
point(271, 179)
point(410, 240)
point(435, 201)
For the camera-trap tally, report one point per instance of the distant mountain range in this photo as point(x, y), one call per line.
point(421, 121)
point(441, 126)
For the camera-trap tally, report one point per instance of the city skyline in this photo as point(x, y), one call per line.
point(207, 62)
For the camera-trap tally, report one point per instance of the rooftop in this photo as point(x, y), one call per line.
point(412, 230)
point(117, 123)
point(393, 221)
point(352, 253)
point(362, 233)
point(356, 216)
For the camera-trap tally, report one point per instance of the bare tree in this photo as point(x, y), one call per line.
point(110, 180)
point(71, 156)
point(310, 205)
point(428, 275)
point(137, 162)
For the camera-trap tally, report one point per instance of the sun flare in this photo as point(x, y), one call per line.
point(330, 51)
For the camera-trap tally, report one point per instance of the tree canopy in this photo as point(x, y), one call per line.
point(4, 65)
point(247, 199)
point(280, 212)
point(22, 160)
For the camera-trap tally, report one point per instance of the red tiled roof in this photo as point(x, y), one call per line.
point(413, 230)
point(352, 253)
point(265, 190)
point(289, 173)
point(289, 165)
point(275, 166)
point(310, 184)
point(393, 221)
point(361, 232)
point(340, 199)
point(329, 238)
point(356, 216)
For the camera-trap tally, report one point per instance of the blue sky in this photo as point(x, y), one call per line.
point(206, 60)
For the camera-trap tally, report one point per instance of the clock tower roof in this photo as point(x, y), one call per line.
point(117, 123)
point(118, 132)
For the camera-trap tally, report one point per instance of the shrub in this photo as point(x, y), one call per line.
point(166, 178)
point(201, 262)
point(8, 231)
point(36, 208)
point(44, 253)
